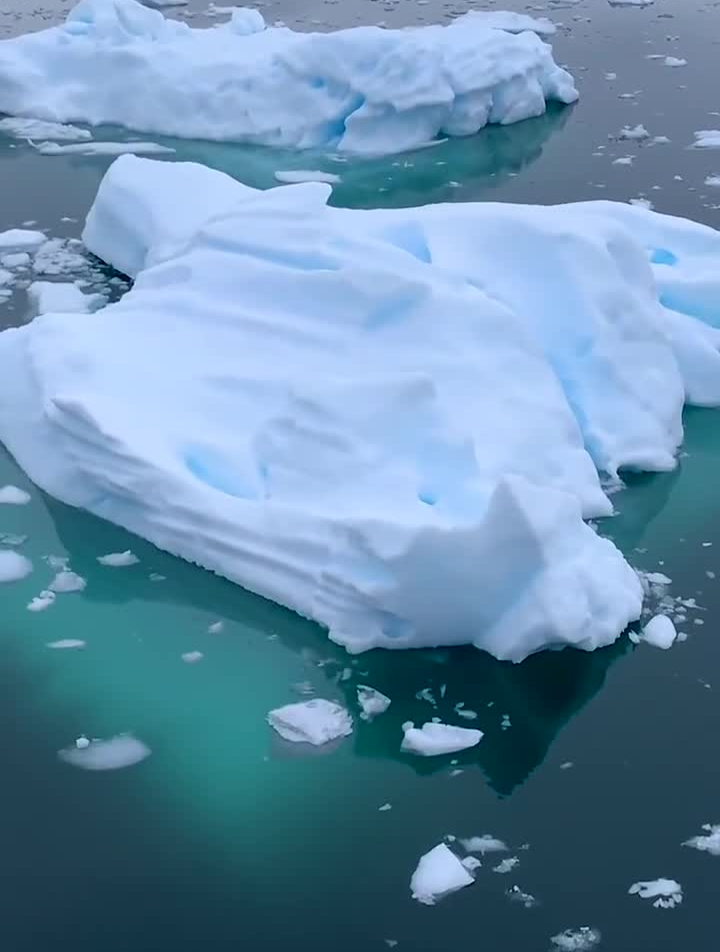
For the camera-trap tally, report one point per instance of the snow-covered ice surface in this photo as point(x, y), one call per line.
point(438, 873)
point(403, 480)
point(362, 90)
point(665, 893)
point(433, 739)
point(61, 296)
point(315, 722)
point(113, 754)
point(13, 566)
point(707, 842)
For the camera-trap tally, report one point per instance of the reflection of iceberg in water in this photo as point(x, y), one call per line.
point(539, 696)
point(479, 162)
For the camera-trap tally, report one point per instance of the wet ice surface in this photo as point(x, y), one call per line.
point(221, 823)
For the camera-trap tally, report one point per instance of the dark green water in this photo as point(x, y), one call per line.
point(224, 839)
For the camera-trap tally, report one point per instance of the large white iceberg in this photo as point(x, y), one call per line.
point(389, 421)
point(364, 89)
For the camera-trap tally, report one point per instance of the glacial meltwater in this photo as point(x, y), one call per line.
point(212, 832)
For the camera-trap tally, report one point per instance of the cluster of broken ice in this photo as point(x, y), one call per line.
point(390, 421)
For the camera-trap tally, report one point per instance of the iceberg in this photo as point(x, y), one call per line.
point(391, 422)
point(363, 90)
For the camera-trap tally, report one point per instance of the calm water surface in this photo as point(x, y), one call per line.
point(224, 839)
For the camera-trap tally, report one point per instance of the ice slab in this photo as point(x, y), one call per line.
point(316, 722)
point(438, 873)
point(426, 395)
point(433, 738)
point(371, 701)
point(364, 89)
point(659, 632)
point(484, 844)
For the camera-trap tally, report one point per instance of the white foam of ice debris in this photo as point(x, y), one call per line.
point(42, 601)
point(433, 738)
point(316, 722)
point(709, 842)
point(659, 632)
point(484, 844)
point(17, 239)
point(577, 940)
point(66, 581)
point(20, 128)
point(102, 148)
point(61, 297)
point(357, 472)
point(192, 657)
point(666, 892)
point(371, 701)
point(118, 560)
point(13, 567)
point(113, 754)
point(66, 644)
point(516, 894)
point(439, 873)
point(13, 496)
point(366, 89)
point(300, 175)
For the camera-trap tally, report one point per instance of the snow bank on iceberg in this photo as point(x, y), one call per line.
point(389, 421)
point(364, 89)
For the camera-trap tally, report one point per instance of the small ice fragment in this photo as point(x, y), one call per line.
point(14, 567)
point(13, 496)
point(42, 601)
point(713, 180)
point(113, 754)
point(505, 723)
point(634, 132)
point(307, 175)
point(316, 722)
point(192, 657)
point(581, 940)
point(426, 695)
point(438, 873)
point(471, 863)
point(215, 628)
point(624, 160)
point(567, 765)
point(516, 894)
point(385, 807)
point(66, 643)
point(675, 61)
point(433, 739)
point(157, 577)
point(666, 892)
point(371, 701)
point(66, 581)
point(82, 743)
point(709, 843)
point(484, 844)
point(506, 865)
point(659, 632)
point(118, 559)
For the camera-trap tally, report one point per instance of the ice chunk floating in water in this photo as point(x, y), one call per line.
point(312, 722)
point(438, 874)
point(364, 89)
point(432, 739)
point(426, 396)
point(13, 496)
point(113, 754)
point(14, 567)
point(666, 893)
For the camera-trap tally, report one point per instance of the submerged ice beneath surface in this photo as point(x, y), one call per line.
point(113, 754)
point(364, 89)
point(426, 396)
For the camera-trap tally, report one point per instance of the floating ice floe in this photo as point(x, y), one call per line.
point(371, 702)
point(113, 754)
point(433, 739)
point(19, 239)
point(316, 722)
point(709, 842)
point(64, 297)
point(66, 644)
point(365, 89)
point(381, 446)
point(66, 581)
point(483, 844)
point(118, 560)
point(298, 175)
point(13, 567)
point(438, 873)
point(659, 632)
point(20, 128)
point(577, 940)
point(101, 148)
point(13, 496)
point(666, 892)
